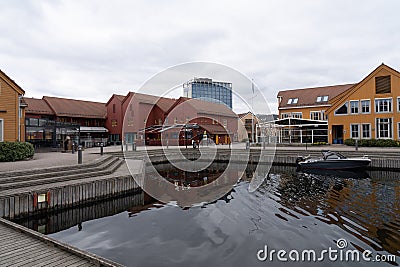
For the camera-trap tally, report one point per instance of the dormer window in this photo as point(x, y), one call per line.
point(293, 100)
point(323, 98)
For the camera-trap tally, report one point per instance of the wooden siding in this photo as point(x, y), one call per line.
point(365, 90)
point(9, 111)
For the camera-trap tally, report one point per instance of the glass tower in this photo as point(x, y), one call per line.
point(209, 90)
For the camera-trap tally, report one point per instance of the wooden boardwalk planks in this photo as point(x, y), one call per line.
point(20, 246)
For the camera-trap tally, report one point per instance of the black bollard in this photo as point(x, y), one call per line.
point(73, 148)
point(126, 147)
point(134, 146)
point(356, 144)
point(79, 154)
point(101, 149)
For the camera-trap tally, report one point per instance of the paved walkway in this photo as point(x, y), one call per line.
point(49, 159)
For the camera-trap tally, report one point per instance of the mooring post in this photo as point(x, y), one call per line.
point(80, 154)
point(101, 148)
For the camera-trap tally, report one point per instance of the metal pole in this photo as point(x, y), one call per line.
point(185, 137)
point(79, 154)
point(101, 149)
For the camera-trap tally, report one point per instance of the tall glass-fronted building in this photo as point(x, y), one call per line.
point(209, 90)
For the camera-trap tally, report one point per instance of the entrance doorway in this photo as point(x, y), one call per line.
point(337, 134)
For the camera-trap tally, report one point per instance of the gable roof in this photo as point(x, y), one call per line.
point(308, 96)
point(37, 106)
point(205, 107)
point(76, 108)
point(337, 100)
point(119, 97)
point(163, 103)
point(12, 83)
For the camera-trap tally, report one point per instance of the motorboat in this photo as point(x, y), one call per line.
point(331, 160)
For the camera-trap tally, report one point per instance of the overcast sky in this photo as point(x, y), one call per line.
point(92, 49)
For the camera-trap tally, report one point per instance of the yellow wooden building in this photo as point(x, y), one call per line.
point(12, 117)
point(364, 110)
point(369, 109)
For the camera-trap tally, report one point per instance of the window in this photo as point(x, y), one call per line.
point(175, 120)
point(1, 130)
point(398, 104)
point(354, 131)
point(383, 105)
point(316, 115)
point(323, 98)
point(382, 85)
point(293, 100)
point(398, 130)
point(366, 131)
point(365, 106)
point(342, 110)
point(285, 115)
point(114, 123)
point(225, 123)
point(297, 115)
point(384, 128)
point(354, 106)
point(113, 108)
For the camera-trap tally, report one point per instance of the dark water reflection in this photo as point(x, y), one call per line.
point(289, 211)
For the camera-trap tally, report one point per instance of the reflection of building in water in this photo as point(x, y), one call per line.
point(148, 203)
point(366, 208)
point(191, 187)
point(58, 221)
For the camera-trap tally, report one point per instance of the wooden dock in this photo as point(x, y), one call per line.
point(23, 247)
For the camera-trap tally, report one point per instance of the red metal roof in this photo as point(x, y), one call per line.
point(37, 106)
point(76, 108)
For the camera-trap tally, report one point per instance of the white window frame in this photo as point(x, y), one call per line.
point(383, 98)
point(361, 112)
point(398, 130)
point(398, 104)
point(358, 107)
point(297, 113)
point(369, 131)
point(378, 129)
point(321, 114)
point(358, 130)
point(283, 114)
point(2, 130)
point(348, 109)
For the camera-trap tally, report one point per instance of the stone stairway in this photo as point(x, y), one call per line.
point(23, 193)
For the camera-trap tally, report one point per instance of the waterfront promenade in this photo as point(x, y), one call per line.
point(52, 159)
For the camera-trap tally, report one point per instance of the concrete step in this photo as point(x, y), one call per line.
point(119, 173)
point(56, 173)
point(56, 179)
point(96, 163)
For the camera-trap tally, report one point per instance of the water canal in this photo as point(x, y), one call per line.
point(290, 211)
